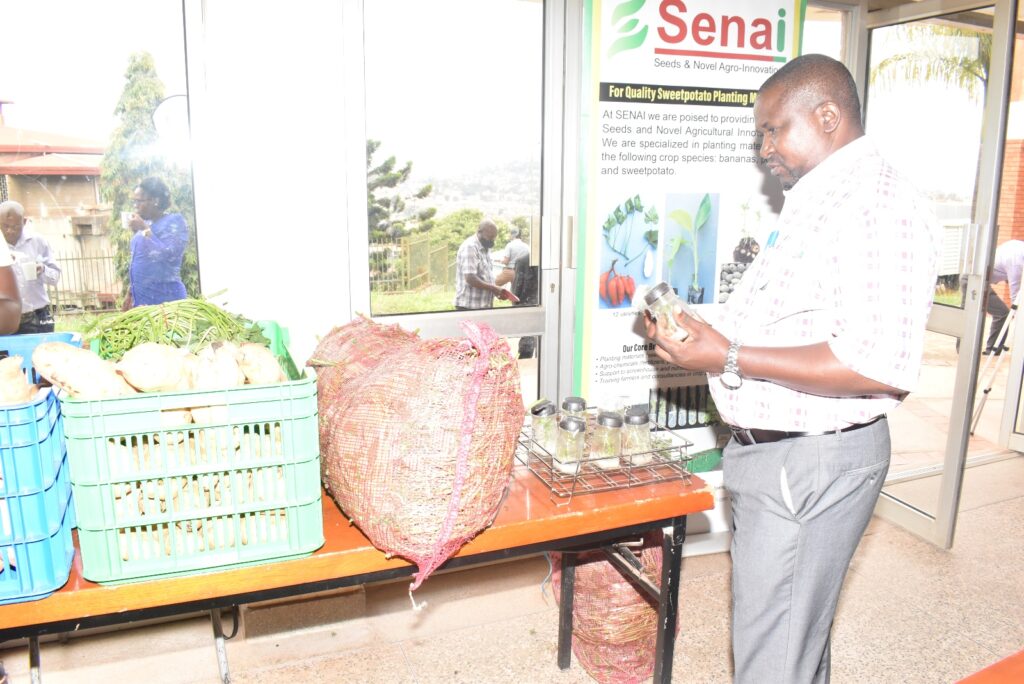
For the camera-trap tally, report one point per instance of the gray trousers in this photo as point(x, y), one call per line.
point(799, 509)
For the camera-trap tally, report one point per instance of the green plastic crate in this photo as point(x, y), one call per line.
point(158, 496)
point(704, 461)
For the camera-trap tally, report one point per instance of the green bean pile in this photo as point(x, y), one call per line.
point(187, 323)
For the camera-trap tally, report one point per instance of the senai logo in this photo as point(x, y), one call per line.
point(682, 28)
point(631, 37)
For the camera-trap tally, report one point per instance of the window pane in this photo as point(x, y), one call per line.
point(927, 78)
point(85, 119)
point(453, 125)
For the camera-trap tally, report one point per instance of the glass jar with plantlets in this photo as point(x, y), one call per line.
point(544, 426)
point(636, 437)
point(572, 434)
point(606, 441)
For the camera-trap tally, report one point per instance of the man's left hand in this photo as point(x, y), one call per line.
point(703, 348)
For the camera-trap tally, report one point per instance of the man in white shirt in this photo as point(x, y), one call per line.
point(823, 335)
point(1006, 268)
point(34, 269)
point(515, 250)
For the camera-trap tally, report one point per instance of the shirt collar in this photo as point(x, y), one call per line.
point(840, 163)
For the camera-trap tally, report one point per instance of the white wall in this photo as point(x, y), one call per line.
point(266, 91)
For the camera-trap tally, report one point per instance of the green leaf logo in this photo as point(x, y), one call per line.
point(631, 38)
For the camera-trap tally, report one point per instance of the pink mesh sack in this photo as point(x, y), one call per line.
point(615, 624)
point(417, 436)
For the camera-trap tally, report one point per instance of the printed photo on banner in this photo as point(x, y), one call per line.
point(691, 238)
point(627, 252)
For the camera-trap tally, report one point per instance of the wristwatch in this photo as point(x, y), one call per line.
point(730, 376)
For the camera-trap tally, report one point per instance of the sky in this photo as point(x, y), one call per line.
point(70, 57)
point(454, 84)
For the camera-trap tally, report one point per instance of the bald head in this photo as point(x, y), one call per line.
point(487, 232)
point(811, 80)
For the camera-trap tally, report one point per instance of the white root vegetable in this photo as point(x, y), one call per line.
point(14, 385)
point(152, 367)
point(259, 365)
point(217, 367)
point(79, 372)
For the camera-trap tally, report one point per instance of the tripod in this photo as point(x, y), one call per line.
point(996, 355)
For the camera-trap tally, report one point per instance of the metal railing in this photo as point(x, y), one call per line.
point(410, 263)
point(87, 283)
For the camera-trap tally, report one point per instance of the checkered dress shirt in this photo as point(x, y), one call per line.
point(854, 264)
point(473, 258)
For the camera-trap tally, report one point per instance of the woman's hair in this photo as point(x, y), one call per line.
point(157, 189)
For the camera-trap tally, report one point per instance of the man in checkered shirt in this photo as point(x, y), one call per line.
point(474, 276)
point(821, 337)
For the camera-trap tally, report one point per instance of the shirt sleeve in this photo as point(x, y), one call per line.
point(6, 258)
point(51, 270)
point(886, 257)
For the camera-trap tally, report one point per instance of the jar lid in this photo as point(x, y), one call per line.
point(608, 419)
point(544, 408)
point(574, 403)
point(572, 424)
point(656, 292)
point(637, 415)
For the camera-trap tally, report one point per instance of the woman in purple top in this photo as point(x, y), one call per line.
point(158, 243)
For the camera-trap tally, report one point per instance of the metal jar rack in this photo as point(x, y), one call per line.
point(667, 462)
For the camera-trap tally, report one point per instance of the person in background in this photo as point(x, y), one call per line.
point(34, 269)
point(158, 243)
point(823, 335)
point(1006, 268)
point(474, 279)
point(514, 250)
point(525, 287)
point(10, 298)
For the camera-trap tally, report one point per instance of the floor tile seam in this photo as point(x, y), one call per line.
point(988, 504)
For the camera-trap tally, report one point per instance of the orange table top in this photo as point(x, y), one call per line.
point(530, 515)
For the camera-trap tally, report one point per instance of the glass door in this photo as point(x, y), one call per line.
point(934, 94)
point(462, 128)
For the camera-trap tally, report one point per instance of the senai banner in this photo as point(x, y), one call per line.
point(671, 189)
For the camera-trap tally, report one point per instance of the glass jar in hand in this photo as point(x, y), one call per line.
point(662, 303)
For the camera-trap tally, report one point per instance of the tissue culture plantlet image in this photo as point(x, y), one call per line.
point(691, 234)
point(630, 240)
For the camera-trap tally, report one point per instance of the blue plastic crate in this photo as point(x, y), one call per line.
point(37, 564)
point(32, 445)
point(24, 345)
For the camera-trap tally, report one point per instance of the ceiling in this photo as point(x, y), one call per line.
point(886, 4)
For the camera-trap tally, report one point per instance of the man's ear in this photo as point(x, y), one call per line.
point(830, 116)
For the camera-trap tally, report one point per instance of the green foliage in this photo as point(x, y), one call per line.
point(949, 54)
point(132, 155)
point(456, 227)
point(387, 213)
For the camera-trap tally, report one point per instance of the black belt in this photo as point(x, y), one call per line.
point(748, 436)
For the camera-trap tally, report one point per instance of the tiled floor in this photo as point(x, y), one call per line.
point(909, 613)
